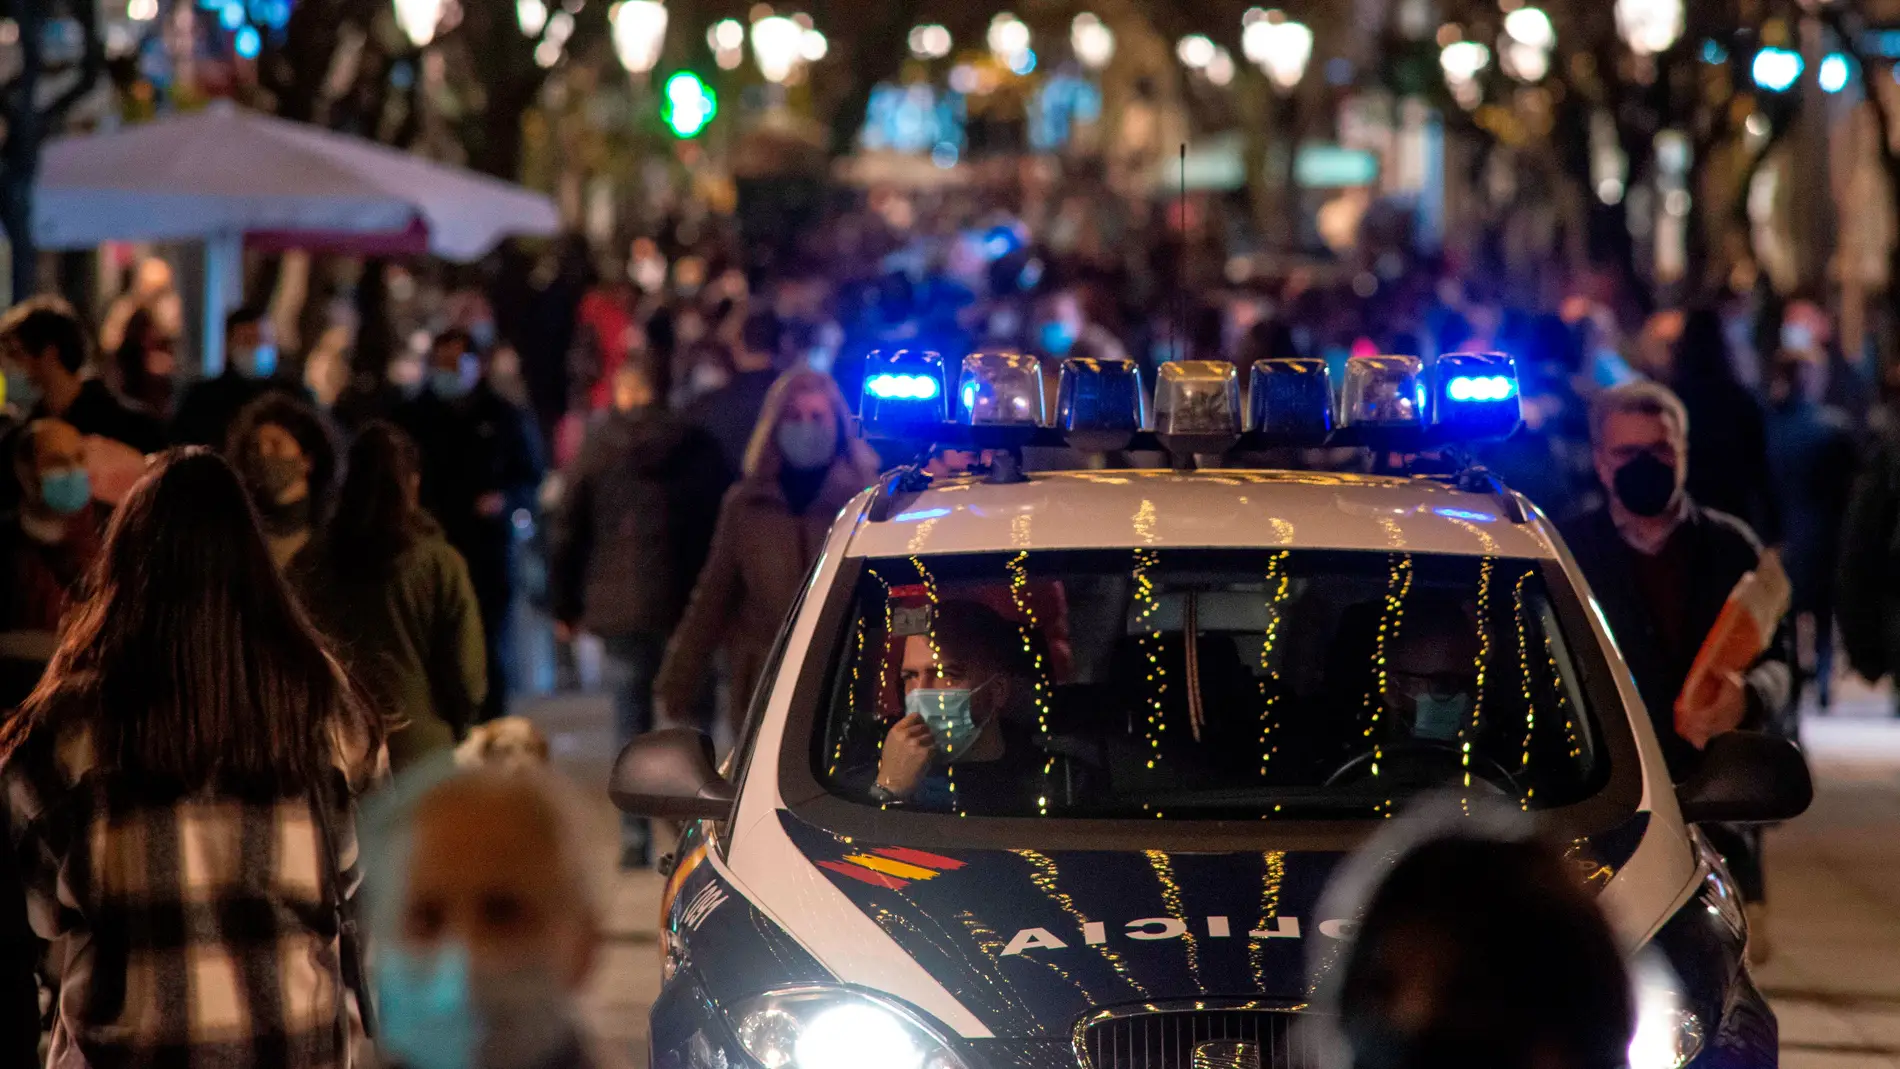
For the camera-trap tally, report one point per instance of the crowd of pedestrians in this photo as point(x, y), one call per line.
point(345, 566)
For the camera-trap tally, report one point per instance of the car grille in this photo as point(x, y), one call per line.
point(1248, 1038)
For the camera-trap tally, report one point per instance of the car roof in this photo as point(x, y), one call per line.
point(1213, 509)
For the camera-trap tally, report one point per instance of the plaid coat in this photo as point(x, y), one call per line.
point(192, 933)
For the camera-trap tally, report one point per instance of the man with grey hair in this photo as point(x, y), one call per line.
point(1661, 567)
point(486, 920)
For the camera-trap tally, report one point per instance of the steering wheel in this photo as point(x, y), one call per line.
point(1489, 771)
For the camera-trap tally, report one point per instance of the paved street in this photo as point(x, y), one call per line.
point(1834, 881)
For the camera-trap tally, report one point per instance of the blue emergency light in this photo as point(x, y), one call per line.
point(903, 391)
point(1476, 395)
point(902, 386)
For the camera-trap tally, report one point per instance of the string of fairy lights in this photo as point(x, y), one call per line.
point(1145, 607)
point(1029, 626)
point(1524, 674)
point(1278, 582)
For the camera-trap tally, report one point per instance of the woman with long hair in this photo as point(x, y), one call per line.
point(802, 466)
point(396, 598)
point(179, 796)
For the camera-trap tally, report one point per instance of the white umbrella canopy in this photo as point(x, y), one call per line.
point(223, 171)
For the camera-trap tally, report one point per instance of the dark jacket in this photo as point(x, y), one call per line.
point(760, 554)
point(210, 407)
point(635, 523)
point(1728, 453)
point(473, 446)
point(1812, 458)
point(412, 639)
point(1867, 580)
point(731, 412)
point(98, 410)
point(1718, 550)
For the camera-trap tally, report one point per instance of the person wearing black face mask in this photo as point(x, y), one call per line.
point(1661, 567)
point(284, 453)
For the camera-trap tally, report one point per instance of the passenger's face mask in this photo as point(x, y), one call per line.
point(1646, 485)
point(66, 490)
point(441, 1012)
point(1438, 718)
point(947, 711)
point(808, 444)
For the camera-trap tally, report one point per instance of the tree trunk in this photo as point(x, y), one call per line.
point(16, 217)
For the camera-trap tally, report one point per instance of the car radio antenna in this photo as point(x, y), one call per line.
point(1180, 269)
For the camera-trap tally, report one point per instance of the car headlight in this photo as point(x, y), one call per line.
point(1668, 1033)
point(836, 1028)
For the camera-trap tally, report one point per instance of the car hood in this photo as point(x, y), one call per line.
point(1030, 941)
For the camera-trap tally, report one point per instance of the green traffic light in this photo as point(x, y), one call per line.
point(690, 104)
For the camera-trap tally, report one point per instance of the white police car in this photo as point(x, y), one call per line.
point(1152, 711)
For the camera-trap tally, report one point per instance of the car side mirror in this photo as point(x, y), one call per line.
point(1747, 777)
point(669, 773)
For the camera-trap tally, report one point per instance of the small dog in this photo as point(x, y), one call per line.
point(512, 742)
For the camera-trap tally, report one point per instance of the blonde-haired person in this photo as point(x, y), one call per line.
point(802, 466)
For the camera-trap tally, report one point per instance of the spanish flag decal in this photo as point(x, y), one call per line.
point(892, 867)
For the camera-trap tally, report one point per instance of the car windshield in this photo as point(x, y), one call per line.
point(1202, 684)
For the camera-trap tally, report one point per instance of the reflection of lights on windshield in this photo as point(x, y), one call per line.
point(921, 514)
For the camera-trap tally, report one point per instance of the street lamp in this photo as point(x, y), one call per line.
point(1092, 41)
point(777, 46)
point(929, 41)
point(1528, 40)
point(1008, 38)
point(419, 19)
point(1277, 45)
point(639, 29)
point(1649, 26)
point(1195, 51)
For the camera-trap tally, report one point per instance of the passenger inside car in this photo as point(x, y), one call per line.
point(968, 739)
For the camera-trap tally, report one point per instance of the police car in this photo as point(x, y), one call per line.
point(1050, 768)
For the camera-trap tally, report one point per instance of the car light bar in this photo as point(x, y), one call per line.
point(1392, 403)
point(1291, 397)
point(1383, 391)
point(1197, 406)
point(1100, 404)
point(1000, 389)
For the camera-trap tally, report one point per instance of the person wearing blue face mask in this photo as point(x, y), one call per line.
point(802, 466)
point(210, 408)
point(482, 466)
point(45, 548)
point(968, 685)
point(486, 920)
